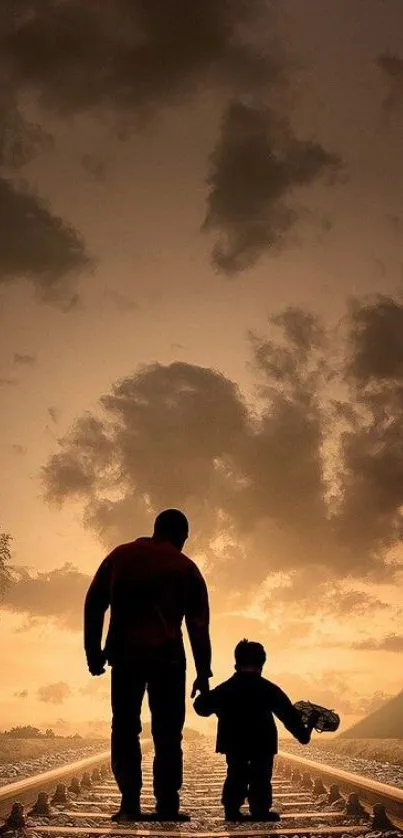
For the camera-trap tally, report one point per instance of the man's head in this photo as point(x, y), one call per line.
point(171, 525)
point(249, 656)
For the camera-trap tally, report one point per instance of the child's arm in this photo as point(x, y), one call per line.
point(291, 718)
point(206, 703)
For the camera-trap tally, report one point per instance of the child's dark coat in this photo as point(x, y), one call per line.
point(245, 705)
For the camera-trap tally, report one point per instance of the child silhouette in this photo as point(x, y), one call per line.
point(247, 733)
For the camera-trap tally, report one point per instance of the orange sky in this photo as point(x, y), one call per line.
point(154, 296)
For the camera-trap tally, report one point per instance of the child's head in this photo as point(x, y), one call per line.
point(249, 656)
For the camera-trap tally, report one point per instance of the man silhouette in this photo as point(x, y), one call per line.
point(150, 586)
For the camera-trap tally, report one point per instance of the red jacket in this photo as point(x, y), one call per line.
point(150, 587)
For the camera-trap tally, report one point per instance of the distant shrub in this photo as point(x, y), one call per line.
point(29, 732)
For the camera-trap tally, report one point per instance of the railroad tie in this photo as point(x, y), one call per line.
point(380, 819)
point(296, 777)
point(60, 797)
point(16, 819)
point(42, 807)
point(306, 782)
point(75, 786)
point(86, 782)
point(334, 795)
point(354, 807)
point(307, 807)
point(319, 789)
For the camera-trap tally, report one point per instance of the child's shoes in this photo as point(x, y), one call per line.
point(235, 816)
point(274, 817)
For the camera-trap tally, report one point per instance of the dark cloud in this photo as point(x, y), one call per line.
point(391, 66)
point(282, 513)
point(169, 426)
point(8, 382)
point(389, 643)
point(57, 596)
point(376, 341)
point(255, 169)
point(354, 603)
point(69, 473)
point(254, 485)
point(22, 694)
point(133, 55)
point(54, 693)
point(20, 140)
point(329, 690)
point(96, 689)
point(372, 449)
point(296, 360)
point(94, 166)
point(53, 252)
point(336, 599)
point(54, 413)
point(129, 58)
point(21, 450)
point(122, 302)
point(370, 518)
point(24, 360)
point(252, 479)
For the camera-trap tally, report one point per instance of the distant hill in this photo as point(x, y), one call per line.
point(384, 723)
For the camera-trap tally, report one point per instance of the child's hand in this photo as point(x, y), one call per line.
point(201, 684)
point(313, 720)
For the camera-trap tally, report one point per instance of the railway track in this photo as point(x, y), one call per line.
point(312, 799)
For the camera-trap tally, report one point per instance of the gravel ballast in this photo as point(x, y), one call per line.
point(10, 772)
point(382, 770)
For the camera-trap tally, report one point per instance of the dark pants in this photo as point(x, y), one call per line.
point(165, 685)
point(248, 778)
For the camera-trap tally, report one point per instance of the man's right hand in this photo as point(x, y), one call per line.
point(96, 664)
point(201, 685)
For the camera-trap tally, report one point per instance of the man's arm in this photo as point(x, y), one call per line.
point(206, 703)
point(290, 717)
point(96, 603)
point(197, 618)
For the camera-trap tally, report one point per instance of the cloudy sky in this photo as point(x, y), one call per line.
point(201, 257)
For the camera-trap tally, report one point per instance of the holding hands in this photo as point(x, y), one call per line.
point(201, 685)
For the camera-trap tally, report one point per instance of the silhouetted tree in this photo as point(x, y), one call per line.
point(24, 732)
point(5, 558)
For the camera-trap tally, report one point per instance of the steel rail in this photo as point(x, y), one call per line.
point(387, 798)
point(370, 791)
point(25, 790)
